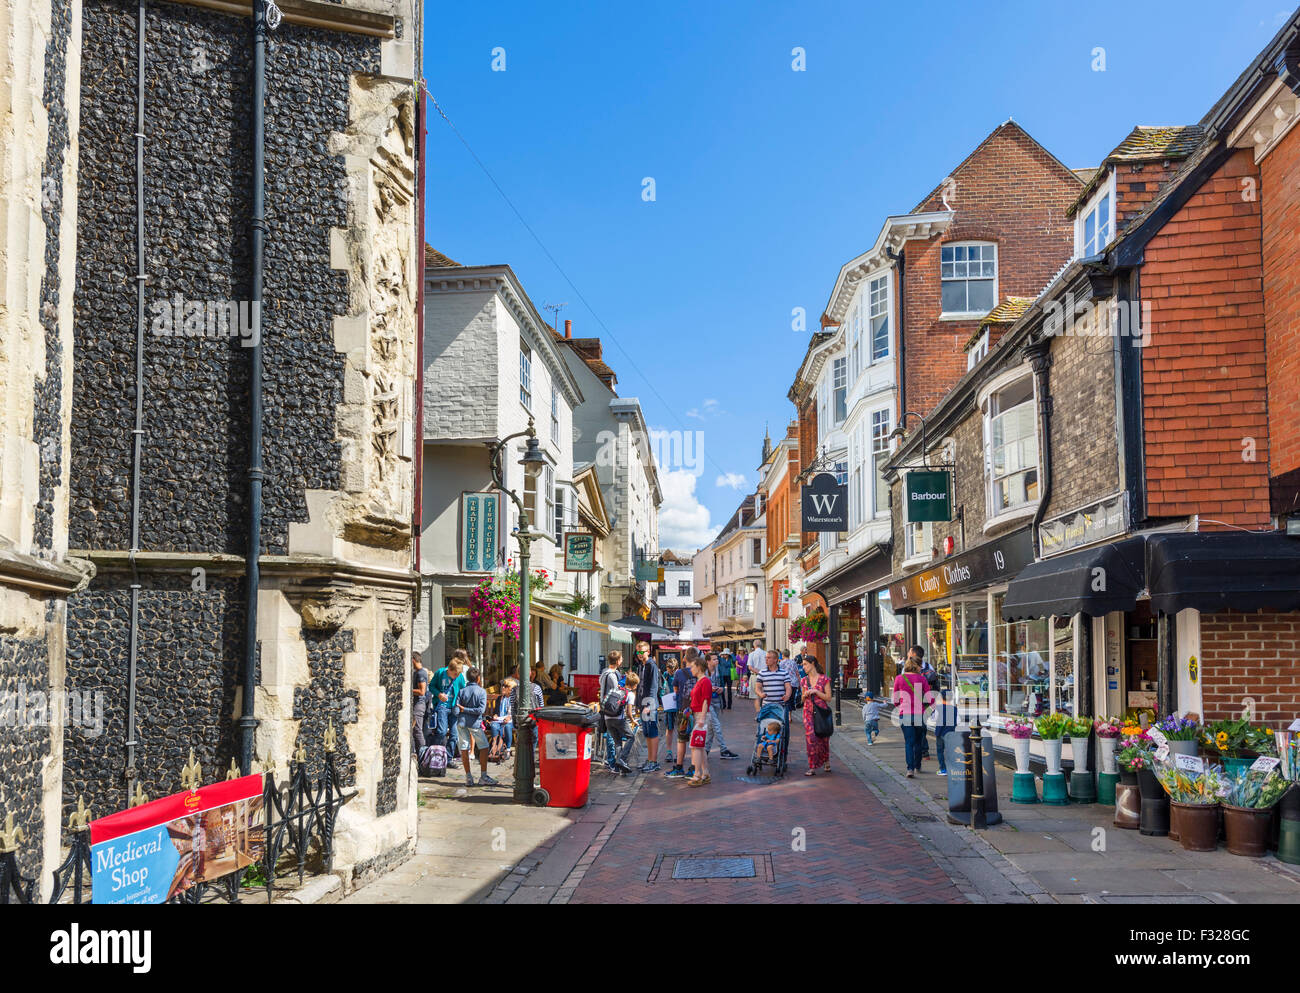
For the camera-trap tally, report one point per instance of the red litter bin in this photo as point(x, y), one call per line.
point(565, 736)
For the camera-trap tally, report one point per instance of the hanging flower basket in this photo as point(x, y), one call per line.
point(494, 603)
point(811, 628)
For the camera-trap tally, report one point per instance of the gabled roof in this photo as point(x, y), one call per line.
point(1008, 311)
point(1007, 125)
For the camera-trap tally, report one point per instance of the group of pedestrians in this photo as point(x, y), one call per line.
point(448, 710)
point(916, 692)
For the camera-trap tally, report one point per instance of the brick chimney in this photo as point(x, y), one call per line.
point(568, 329)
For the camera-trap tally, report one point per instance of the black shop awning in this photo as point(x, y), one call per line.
point(1222, 570)
point(1092, 581)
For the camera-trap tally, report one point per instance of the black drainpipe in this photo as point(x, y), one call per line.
point(252, 572)
point(1040, 360)
point(137, 432)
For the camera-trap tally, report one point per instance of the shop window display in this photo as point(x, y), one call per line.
point(1063, 663)
point(1022, 668)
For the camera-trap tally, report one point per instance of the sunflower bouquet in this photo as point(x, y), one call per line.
point(1236, 739)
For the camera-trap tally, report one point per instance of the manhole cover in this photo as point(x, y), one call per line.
point(714, 868)
point(928, 818)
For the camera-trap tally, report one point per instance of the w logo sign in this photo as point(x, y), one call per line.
point(824, 503)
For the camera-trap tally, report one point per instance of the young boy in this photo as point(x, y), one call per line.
point(769, 743)
point(871, 717)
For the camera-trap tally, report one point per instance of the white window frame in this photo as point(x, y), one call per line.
point(525, 375)
point(1104, 192)
point(978, 350)
point(1012, 377)
point(950, 314)
point(555, 412)
point(548, 498)
point(839, 390)
point(878, 307)
point(880, 449)
point(922, 531)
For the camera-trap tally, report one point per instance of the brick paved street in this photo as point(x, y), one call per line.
point(826, 839)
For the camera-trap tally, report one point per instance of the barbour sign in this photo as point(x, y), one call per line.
point(928, 495)
point(825, 504)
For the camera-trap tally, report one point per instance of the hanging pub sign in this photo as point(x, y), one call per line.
point(480, 531)
point(928, 493)
point(579, 552)
point(649, 572)
point(825, 504)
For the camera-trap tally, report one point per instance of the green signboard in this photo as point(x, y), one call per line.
point(479, 531)
point(928, 494)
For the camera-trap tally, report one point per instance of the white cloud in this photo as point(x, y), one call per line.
point(706, 410)
point(734, 480)
point(683, 520)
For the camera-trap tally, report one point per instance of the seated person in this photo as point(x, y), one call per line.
point(502, 724)
point(769, 742)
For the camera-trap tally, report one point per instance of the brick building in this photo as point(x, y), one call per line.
point(1121, 474)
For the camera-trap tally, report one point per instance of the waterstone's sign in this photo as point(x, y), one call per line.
point(825, 504)
point(993, 562)
point(929, 496)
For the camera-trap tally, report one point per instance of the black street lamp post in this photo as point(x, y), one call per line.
point(533, 463)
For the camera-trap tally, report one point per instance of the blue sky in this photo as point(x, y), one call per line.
point(766, 179)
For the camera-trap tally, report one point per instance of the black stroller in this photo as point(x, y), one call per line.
point(760, 760)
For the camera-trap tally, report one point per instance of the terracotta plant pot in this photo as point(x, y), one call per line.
point(1249, 830)
point(1198, 825)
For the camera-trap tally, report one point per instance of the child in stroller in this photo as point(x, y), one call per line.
point(771, 740)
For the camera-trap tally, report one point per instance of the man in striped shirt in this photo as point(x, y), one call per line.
point(773, 684)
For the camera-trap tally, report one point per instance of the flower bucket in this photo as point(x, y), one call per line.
point(1155, 805)
point(1128, 802)
point(1198, 825)
point(1021, 748)
point(1052, 750)
point(1232, 765)
point(1248, 829)
point(1106, 748)
point(1183, 747)
point(1079, 752)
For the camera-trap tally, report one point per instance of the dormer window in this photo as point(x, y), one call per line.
point(1094, 225)
point(969, 274)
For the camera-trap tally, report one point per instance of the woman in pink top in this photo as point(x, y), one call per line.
point(909, 693)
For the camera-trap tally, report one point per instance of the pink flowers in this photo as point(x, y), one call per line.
point(1019, 729)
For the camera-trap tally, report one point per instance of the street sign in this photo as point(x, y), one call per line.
point(480, 531)
point(928, 493)
point(825, 504)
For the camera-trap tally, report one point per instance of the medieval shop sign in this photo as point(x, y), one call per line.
point(993, 562)
point(1102, 520)
point(152, 852)
point(480, 531)
point(928, 494)
point(579, 552)
point(825, 504)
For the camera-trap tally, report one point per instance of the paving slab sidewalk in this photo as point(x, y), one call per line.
point(1068, 854)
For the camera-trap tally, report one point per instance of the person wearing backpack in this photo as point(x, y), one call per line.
point(609, 679)
point(647, 705)
point(618, 707)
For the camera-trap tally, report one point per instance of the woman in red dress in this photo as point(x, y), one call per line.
point(816, 687)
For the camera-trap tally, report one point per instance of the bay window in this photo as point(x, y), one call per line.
point(878, 304)
point(1011, 447)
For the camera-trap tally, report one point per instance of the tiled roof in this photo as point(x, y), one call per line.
point(1010, 310)
point(434, 259)
point(1145, 144)
point(1086, 174)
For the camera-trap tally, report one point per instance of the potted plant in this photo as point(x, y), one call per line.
point(1050, 727)
point(1132, 759)
point(1288, 807)
point(1107, 731)
point(1183, 733)
point(1248, 810)
point(1235, 743)
point(1023, 787)
point(1021, 731)
point(811, 628)
point(1194, 800)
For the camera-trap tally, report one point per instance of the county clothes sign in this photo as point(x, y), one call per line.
point(149, 853)
point(825, 504)
point(480, 531)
